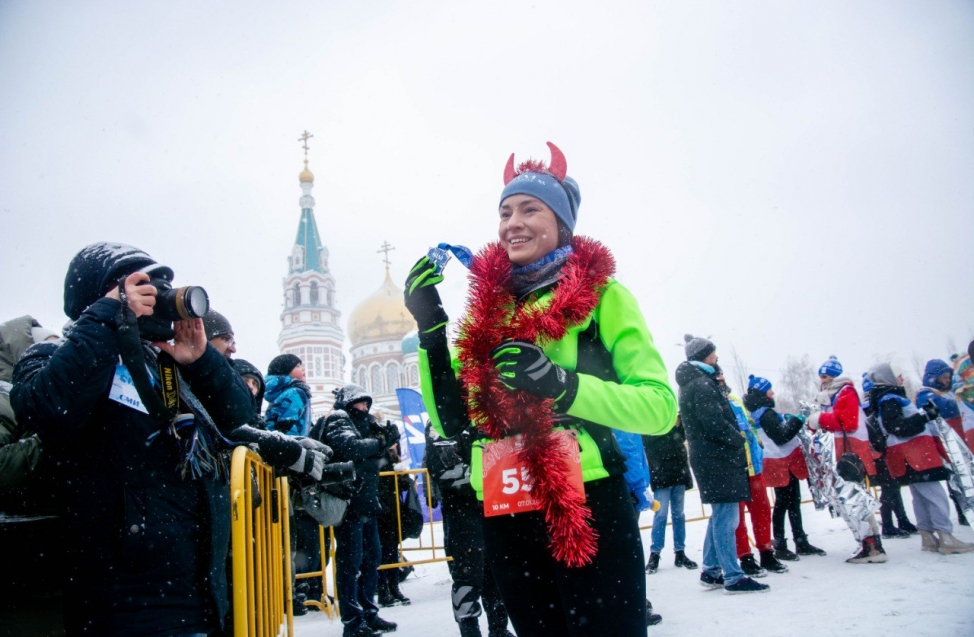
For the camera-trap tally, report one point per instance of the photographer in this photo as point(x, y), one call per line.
point(145, 512)
point(357, 436)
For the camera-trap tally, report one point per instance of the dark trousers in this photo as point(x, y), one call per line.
point(788, 499)
point(546, 598)
point(891, 501)
point(306, 551)
point(473, 582)
point(357, 558)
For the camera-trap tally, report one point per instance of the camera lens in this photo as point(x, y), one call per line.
point(192, 302)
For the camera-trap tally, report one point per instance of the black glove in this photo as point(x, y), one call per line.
point(422, 299)
point(391, 434)
point(931, 410)
point(525, 366)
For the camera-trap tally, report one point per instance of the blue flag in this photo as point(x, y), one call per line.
point(414, 419)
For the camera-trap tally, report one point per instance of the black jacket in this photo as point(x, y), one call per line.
point(147, 548)
point(716, 445)
point(780, 431)
point(351, 435)
point(667, 457)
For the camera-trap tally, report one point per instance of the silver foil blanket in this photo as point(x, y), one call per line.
point(961, 482)
point(848, 500)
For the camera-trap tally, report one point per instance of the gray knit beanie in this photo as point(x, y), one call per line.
point(697, 348)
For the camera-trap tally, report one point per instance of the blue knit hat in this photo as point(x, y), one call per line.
point(831, 367)
point(548, 184)
point(867, 385)
point(757, 383)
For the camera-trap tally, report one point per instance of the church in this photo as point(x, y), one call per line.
point(381, 333)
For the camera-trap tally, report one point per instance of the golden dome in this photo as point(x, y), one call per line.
point(381, 317)
point(306, 175)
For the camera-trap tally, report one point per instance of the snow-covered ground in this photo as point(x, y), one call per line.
point(915, 593)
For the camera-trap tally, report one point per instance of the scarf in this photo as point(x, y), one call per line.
point(494, 316)
point(542, 273)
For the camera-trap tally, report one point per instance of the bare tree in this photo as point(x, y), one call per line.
point(739, 371)
point(798, 383)
point(918, 364)
point(951, 347)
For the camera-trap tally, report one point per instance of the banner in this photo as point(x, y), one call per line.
point(414, 419)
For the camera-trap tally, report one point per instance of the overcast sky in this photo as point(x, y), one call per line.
point(787, 177)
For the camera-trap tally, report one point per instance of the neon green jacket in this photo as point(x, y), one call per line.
point(622, 384)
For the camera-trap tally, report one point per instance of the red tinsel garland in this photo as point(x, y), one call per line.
point(493, 317)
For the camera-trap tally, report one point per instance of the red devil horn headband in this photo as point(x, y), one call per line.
point(558, 168)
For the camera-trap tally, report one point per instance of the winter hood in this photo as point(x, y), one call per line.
point(934, 370)
point(15, 338)
point(687, 372)
point(350, 394)
point(245, 368)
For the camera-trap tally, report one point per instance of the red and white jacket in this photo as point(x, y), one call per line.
point(780, 461)
point(921, 452)
point(842, 412)
point(966, 423)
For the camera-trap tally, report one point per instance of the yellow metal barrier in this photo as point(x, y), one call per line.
point(260, 549)
point(326, 537)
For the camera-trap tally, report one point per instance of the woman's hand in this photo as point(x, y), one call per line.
point(188, 344)
point(422, 299)
point(525, 366)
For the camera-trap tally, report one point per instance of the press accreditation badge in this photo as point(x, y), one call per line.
point(123, 390)
point(507, 481)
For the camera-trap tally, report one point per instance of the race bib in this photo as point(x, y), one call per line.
point(508, 482)
point(123, 390)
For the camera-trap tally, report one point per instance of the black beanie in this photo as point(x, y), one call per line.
point(283, 364)
point(94, 268)
point(215, 325)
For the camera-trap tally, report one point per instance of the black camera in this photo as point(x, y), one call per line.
point(337, 472)
point(172, 304)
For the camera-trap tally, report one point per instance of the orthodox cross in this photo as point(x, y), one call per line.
point(386, 248)
point(305, 136)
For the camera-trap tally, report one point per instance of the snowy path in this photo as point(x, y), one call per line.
point(915, 593)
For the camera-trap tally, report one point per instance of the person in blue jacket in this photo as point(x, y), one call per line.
point(938, 380)
point(289, 397)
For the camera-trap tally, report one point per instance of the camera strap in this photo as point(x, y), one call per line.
point(163, 409)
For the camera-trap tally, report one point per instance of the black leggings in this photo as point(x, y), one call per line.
point(547, 599)
point(473, 583)
point(788, 499)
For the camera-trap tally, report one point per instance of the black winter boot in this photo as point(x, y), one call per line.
point(298, 608)
point(383, 594)
point(782, 552)
point(395, 591)
point(892, 532)
point(653, 564)
point(380, 625)
point(906, 525)
point(802, 547)
point(751, 567)
point(770, 562)
point(683, 561)
point(652, 618)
